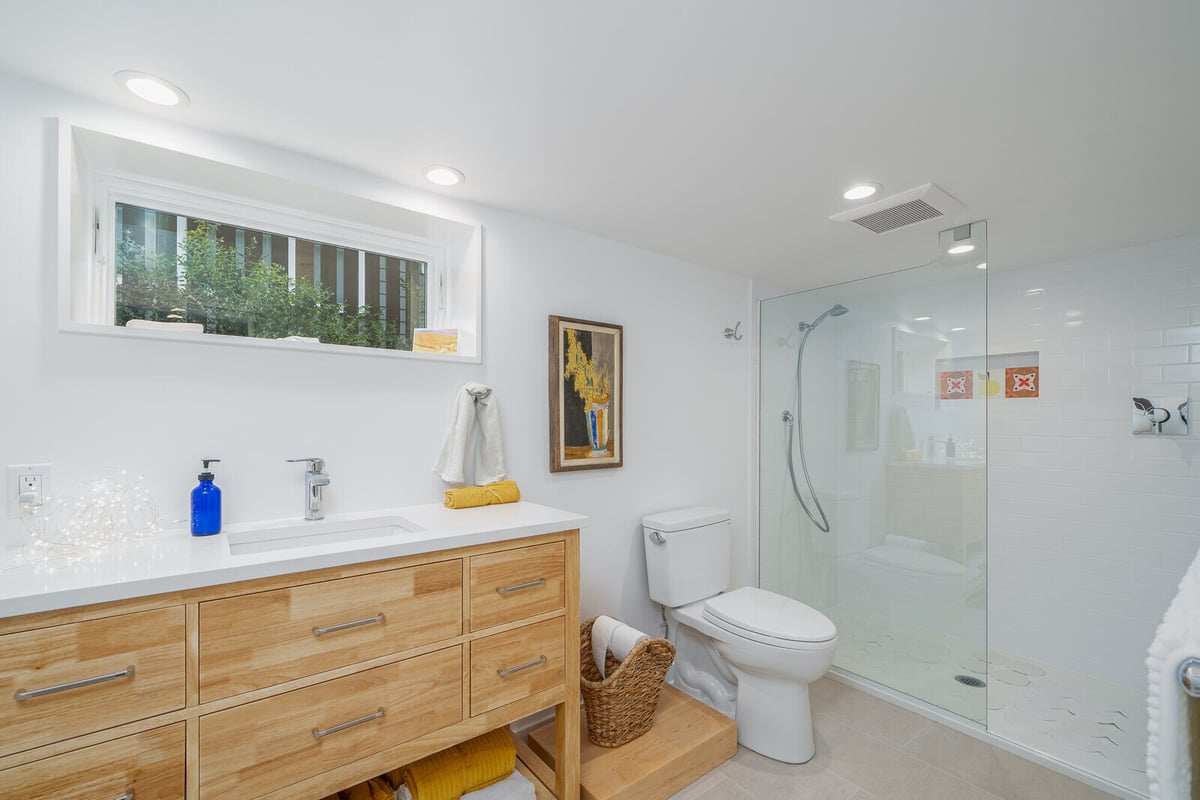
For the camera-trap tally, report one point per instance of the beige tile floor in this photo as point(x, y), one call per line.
point(868, 749)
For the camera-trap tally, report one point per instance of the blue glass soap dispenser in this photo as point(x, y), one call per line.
point(206, 503)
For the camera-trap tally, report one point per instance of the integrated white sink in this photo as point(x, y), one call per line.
point(355, 530)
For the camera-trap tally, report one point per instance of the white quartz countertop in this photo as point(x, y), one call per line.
point(175, 560)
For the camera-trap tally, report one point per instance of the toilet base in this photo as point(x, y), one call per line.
point(774, 717)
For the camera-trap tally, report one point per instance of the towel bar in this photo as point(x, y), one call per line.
point(1189, 676)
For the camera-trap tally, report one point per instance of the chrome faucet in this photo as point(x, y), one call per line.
point(315, 481)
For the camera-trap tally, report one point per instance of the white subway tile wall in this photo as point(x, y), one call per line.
point(1090, 528)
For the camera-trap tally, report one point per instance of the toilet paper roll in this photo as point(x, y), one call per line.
point(623, 641)
point(602, 633)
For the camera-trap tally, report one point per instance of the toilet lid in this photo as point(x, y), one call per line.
point(768, 614)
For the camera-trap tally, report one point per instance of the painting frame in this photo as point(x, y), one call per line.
point(586, 361)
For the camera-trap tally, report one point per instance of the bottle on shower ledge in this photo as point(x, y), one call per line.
point(949, 447)
point(930, 455)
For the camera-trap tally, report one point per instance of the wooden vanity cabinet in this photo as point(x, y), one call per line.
point(293, 686)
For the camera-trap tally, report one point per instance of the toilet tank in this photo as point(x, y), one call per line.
point(687, 554)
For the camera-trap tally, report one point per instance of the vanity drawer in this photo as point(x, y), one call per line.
point(257, 640)
point(148, 766)
point(510, 666)
point(270, 744)
point(514, 584)
point(68, 680)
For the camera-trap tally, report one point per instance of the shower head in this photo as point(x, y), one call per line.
point(836, 311)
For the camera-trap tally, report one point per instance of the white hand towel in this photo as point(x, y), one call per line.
point(489, 449)
point(1168, 758)
point(473, 403)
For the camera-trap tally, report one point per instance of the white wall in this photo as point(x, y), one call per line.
point(1091, 528)
point(92, 403)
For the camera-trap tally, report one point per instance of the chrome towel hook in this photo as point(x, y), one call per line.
point(732, 333)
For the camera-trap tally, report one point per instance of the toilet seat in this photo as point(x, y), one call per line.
point(766, 617)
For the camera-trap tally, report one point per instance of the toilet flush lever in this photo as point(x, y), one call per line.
point(657, 537)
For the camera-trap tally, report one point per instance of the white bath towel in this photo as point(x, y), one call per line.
point(1168, 760)
point(474, 403)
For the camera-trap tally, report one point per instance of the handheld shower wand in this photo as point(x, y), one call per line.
point(796, 422)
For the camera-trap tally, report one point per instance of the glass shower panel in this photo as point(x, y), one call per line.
point(881, 407)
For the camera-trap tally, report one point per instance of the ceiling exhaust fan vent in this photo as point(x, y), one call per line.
point(902, 210)
point(900, 216)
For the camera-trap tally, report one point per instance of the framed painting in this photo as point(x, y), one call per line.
point(585, 395)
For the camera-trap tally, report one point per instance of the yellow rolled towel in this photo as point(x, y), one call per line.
point(466, 767)
point(436, 777)
point(489, 494)
point(374, 789)
point(487, 759)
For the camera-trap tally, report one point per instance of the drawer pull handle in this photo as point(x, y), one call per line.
point(321, 631)
point(62, 687)
point(504, 673)
point(318, 733)
point(127, 796)
point(519, 586)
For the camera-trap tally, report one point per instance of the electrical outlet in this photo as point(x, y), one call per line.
point(31, 481)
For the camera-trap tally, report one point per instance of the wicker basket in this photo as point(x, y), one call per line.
point(621, 707)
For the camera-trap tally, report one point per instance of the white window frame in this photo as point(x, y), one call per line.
point(87, 238)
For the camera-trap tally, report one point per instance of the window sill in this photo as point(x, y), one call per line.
point(156, 335)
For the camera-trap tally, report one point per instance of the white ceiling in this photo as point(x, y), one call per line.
point(719, 132)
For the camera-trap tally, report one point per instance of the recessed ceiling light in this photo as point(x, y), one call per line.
point(957, 329)
point(960, 248)
point(981, 265)
point(860, 191)
point(922, 319)
point(152, 88)
point(444, 176)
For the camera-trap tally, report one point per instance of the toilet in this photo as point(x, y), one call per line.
point(749, 653)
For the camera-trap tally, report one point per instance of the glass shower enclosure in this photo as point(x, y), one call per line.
point(872, 425)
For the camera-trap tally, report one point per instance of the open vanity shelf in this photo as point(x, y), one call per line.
point(292, 686)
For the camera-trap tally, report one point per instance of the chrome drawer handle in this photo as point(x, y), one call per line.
point(127, 796)
point(321, 631)
point(318, 733)
point(504, 673)
point(519, 586)
point(62, 687)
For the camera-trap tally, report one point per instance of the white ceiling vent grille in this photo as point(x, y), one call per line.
point(902, 210)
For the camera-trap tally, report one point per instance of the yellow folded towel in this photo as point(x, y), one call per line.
point(374, 789)
point(466, 767)
point(489, 494)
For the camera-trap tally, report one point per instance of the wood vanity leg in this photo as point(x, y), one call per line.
point(567, 714)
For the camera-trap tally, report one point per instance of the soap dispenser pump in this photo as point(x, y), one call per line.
point(950, 447)
point(206, 503)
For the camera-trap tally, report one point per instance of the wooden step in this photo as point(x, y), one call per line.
point(687, 740)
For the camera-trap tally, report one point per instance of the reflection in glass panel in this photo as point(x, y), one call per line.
point(887, 418)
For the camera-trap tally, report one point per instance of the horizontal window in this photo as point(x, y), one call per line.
point(162, 243)
point(178, 270)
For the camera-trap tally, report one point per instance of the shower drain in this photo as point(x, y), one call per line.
point(970, 680)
